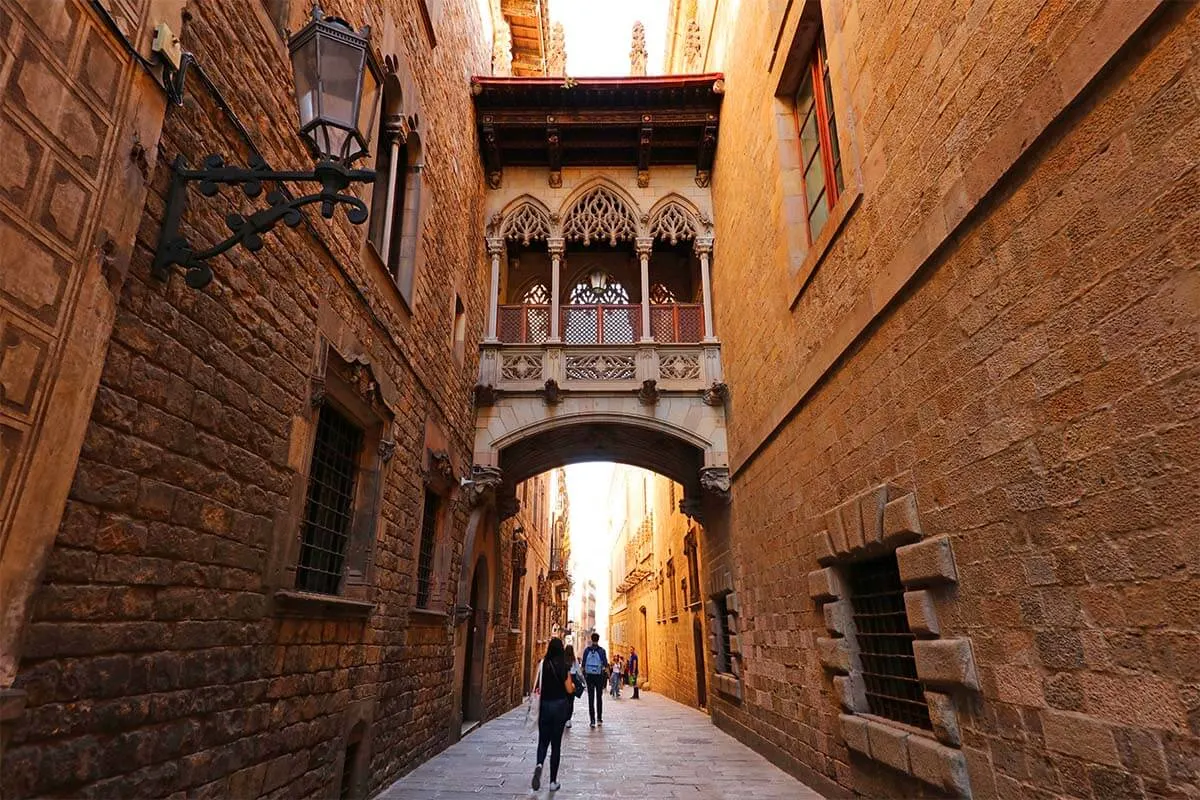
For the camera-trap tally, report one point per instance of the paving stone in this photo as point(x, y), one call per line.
point(649, 748)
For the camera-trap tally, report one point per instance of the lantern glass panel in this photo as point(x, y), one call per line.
point(368, 102)
point(304, 62)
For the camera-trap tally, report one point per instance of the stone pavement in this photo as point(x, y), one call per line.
point(651, 748)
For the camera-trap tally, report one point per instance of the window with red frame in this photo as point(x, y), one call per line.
point(821, 159)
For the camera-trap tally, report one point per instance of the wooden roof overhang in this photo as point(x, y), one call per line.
point(636, 122)
point(529, 22)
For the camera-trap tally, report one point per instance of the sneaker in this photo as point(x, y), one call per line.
point(599, 722)
point(568, 723)
point(592, 725)
point(555, 786)
point(537, 777)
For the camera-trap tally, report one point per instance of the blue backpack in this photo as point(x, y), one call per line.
point(593, 661)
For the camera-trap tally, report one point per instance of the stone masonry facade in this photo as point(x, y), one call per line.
point(985, 367)
point(165, 650)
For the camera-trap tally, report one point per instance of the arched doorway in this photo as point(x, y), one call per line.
point(643, 639)
point(698, 650)
point(527, 672)
point(476, 646)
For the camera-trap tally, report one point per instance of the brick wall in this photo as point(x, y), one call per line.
point(155, 661)
point(1033, 384)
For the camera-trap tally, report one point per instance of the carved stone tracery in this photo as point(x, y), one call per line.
point(600, 215)
point(673, 222)
point(526, 223)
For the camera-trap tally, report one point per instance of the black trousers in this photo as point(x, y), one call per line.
point(595, 686)
point(551, 721)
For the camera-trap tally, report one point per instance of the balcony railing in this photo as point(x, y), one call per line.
point(671, 323)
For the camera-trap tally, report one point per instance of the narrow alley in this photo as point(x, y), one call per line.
point(650, 748)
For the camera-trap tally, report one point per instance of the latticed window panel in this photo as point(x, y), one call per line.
point(330, 504)
point(536, 295)
point(599, 289)
point(677, 322)
point(523, 324)
point(619, 324)
point(885, 643)
point(425, 553)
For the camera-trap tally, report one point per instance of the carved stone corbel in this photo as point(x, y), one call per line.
point(483, 484)
point(716, 481)
point(648, 394)
point(387, 448)
point(716, 395)
point(552, 394)
point(441, 468)
point(485, 395)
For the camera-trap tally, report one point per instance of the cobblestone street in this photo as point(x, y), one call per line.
point(652, 748)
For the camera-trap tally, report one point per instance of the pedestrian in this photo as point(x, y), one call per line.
point(615, 685)
point(595, 664)
point(552, 714)
point(576, 671)
point(632, 671)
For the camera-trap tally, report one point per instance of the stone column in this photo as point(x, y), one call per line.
point(495, 247)
point(394, 166)
point(645, 245)
point(556, 245)
point(703, 248)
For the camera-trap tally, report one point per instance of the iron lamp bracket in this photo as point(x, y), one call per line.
point(175, 250)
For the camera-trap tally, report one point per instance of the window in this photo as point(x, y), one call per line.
point(599, 289)
point(885, 642)
point(329, 508)
point(459, 331)
point(690, 550)
point(429, 523)
point(683, 589)
point(660, 294)
point(396, 197)
point(514, 605)
point(671, 585)
point(721, 622)
point(536, 295)
point(821, 161)
point(348, 757)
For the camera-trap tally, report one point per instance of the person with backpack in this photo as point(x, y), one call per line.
point(595, 663)
point(555, 687)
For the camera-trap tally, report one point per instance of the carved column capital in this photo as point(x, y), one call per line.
point(644, 246)
point(703, 245)
point(557, 245)
point(495, 245)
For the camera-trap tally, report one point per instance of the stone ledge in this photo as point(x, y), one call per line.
point(939, 766)
point(927, 563)
point(824, 584)
point(946, 663)
point(728, 685)
point(290, 603)
point(854, 732)
point(889, 745)
point(922, 618)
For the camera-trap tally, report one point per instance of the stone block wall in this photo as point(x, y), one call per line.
point(158, 658)
point(1005, 327)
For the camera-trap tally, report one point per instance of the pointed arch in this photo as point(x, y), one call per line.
point(524, 220)
point(674, 218)
point(600, 210)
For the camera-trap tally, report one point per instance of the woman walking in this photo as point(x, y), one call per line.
point(576, 672)
point(553, 710)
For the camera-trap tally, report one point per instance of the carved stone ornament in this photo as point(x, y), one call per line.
point(485, 395)
point(441, 468)
point(556, 59)
point(703, 178)
point(317, 398)
point(462, 614)
point(690, 508)
point(552, 394)
point(483, 484)
point(637, 53)
point(716, 481)
point(648, 394)
point(693, 61)
point(717, 394)
point(362, 379)
point(387, 448)
point(520, 549)
point(507, 507)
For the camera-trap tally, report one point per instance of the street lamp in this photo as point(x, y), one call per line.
point(337, 87)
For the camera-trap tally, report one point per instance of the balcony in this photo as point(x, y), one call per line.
point(670, 323)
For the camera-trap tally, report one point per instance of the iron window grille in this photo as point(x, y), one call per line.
point(885, 643)
point(425, 557)
point(330, 506)
point(724, 660)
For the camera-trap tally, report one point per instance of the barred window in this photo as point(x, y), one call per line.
point(885, 642)
point(330, 505)
point(724, 659)
point(429, 521)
